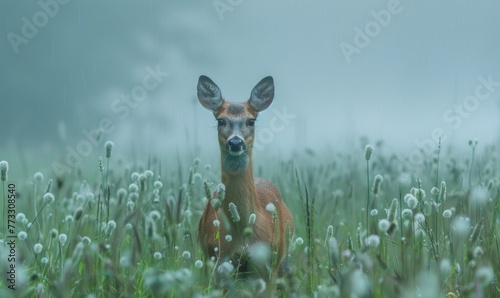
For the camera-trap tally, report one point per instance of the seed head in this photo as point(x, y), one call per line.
point(383, 225)
point(198, 264)
point(221, 191)
point(373, 241)
point(38, 176)
point(234, 212)
point(37, 248)
point(4, 168)
point(368, 152)
point(62, 239)
point(78, 213)
point(376, 183)
point(186, 254)
point(109, 147)
point(447, 213)
point(393, 211)
point(407, 214)
point(251, 219)
point(48, 198)
point(374, 212)
point(22, 235)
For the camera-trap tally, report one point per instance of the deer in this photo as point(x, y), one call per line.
point(252, 196)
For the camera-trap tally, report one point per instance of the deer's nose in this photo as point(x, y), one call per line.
point(235, 145)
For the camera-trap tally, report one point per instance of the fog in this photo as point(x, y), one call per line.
point(405, 72)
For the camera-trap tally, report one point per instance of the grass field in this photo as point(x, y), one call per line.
point(366, 225)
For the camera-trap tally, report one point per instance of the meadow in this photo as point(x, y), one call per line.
point(367, 224)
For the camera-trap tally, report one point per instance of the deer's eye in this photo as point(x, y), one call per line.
point(251, 122)
point(221, 122)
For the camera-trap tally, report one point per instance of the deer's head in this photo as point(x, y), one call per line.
point(235, 121)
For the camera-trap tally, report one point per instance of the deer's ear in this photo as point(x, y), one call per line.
point(262, 94)
point(209, 94)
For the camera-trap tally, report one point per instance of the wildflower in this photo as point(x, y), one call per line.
point(22, 235)
point(373, 241)
point(147, 174)
point(44, 261)
point(270, 207)
point(134, 176)
point(376, 183)
point(78, 213)
point(37, 248)
point(196, 161)
point(461, 225)
point(407, 214)
point(69, 218)
point(62, 239)
point(225, 269)
point(420, 194)
point(186, 254)
point(110, 227)
point(383, 225)
point(48, 198)
point(411, 201)
point(229, 238)
point(221, 191)
point(197, 178)
point(260, 252)
point(198, 264)
point(434, 191)
point(38, 176)
point(155, 215)
point(133, 187)
point(86, 240)
point(53, 233)
point(442, 192)
point(447, 213)
point(477, 252)
point(121, 193)
point(484, 276)
point(158, 184)
point(368, 152)
point(299, 241)
point(216, 223)
point(20, 216)
point(234, 212)
point(4, 168)
point(109, 147)
point(419, 217)
point(251, 219)
point(393, 210)
point(374, 212)
point(157, 255)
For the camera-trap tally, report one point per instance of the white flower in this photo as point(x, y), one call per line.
point(37, 248)
point(373, 241)
point(447, 213)
point(198, 264)
point(384, 225)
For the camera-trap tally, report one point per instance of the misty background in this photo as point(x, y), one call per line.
point(417, 67)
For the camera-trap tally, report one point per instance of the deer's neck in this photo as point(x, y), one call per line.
point(240, 190)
